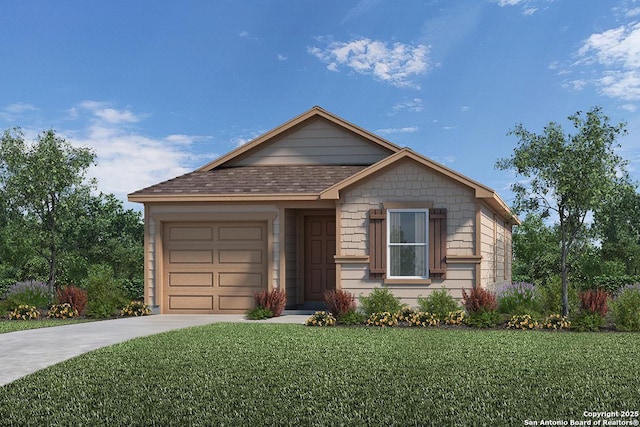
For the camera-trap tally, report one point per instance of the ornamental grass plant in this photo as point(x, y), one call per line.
point(339, 302)
point(274, 300)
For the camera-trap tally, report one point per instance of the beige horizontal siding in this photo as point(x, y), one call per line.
point(318, 143)
point(355, 280)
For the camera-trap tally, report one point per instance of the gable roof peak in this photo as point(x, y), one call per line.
point(314, 112)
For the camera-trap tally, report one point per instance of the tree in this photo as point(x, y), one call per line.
point(104, 232)
point(41, 182)
point(617, 224)
point(535, 250)
point(567, 175)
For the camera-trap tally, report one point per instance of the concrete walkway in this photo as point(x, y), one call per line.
point(25, 352)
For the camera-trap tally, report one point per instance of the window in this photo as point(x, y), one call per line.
point(417, 248)
point(407, 248)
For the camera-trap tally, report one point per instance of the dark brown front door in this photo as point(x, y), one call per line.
point(319, 250)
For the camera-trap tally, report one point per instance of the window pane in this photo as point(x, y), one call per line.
point(408, 261)
point(407, 227)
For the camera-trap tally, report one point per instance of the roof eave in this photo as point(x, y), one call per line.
point(153, 198)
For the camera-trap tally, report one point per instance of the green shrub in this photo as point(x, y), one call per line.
point(105, 293)
point(455, 317)
point(424, 319)
point(555, 321)
point(612, 283)
point(24, 312)
point(321, 318)
point(586, 321)
point(62, 311)
point(339, 302)
point(522, 321)
point(518, 298)
point(439, 303)
point(550, 296)
point(259, 313)
point(380, 300)
point(133, 288)
point(30, 292)
point(625, 308)
point(483, 319)
point(135, 308)
point(352, 317)
point(383, 319)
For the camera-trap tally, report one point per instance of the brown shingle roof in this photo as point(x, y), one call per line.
point(254, 180)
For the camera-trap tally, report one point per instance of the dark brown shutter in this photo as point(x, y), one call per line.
point(437, 243)
point(377, 243)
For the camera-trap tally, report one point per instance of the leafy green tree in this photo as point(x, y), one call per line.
point(566, 175)
point(41, 182)
point(535, 251)
point(106, 233)
point(617, 225)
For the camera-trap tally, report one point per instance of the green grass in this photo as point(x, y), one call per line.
point(21, 325)
point(291, 375)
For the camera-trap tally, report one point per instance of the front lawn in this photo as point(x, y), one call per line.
point(276, 374)
point(21, 325)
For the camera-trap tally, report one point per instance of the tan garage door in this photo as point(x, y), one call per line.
point(213, 267)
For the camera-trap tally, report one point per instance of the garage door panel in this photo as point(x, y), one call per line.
point(241, 280)
point(239, 256)
point(191, 279)
point(234, 233)
point(235, 302)
point(191, 256)
point(191, 302)
point(213, 267)
point(190, 233)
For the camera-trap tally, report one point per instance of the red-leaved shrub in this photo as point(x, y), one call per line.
point(273, 300)
point(74, 296)
point(479, 300)
point(594, 301)
point(339, 302)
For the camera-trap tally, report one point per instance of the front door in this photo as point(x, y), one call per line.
point(319, 252)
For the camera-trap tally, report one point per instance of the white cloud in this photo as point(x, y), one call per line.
point(127, 160)
point(617, 53)
point(388, 131)
point(359, 9)
point(414, 105)
point(19, 108)
point(632, 12)
point(281, 57)
point(503, 3)
point(12, 112)
point(632, 108)
point(396, 64)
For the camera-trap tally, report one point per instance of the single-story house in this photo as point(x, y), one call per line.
point(315, 204)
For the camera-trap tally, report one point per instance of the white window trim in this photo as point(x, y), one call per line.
point(425, 244)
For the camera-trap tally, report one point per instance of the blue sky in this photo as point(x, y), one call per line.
point(158, 88)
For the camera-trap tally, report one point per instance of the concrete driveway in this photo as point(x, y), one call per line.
point(25, 352)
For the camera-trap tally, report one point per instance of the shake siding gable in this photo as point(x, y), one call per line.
point(408, 182)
